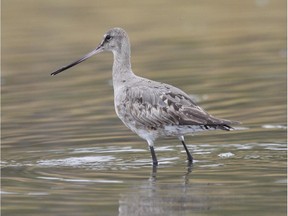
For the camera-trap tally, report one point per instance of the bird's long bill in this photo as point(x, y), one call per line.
point(95, 51)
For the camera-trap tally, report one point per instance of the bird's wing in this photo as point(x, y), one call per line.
point(156, 107)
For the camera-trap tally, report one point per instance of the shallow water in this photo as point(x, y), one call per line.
point(64, 151)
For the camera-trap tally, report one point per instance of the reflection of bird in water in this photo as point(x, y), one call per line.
point(150, 109)
point(163, 195)
point(154, 173)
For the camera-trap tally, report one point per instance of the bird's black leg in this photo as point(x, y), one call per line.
point(154, 158)
point(189, 156)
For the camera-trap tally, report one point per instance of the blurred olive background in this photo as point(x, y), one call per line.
point(65, 152)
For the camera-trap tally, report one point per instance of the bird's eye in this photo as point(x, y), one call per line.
point(108, 37)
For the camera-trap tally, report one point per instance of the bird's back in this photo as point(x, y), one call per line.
point(162, 109)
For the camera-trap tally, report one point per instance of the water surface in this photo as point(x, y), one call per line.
point(64, 151)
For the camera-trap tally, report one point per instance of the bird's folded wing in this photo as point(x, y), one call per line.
point(160, 107)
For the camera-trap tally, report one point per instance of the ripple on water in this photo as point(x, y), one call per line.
point(76, 161)
point(80, 180)
point(226, 155)
point(211, 165)
point(275, 147)
point(114, 149)
point(270, 126)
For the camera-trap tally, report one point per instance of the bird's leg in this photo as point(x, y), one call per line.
point(154, 158)
point(189, 156)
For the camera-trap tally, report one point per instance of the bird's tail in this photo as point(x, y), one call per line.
point(225, 124)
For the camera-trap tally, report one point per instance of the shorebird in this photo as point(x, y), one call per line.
point(150, 109)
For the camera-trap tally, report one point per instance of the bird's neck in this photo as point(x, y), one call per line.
point(121, 67)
